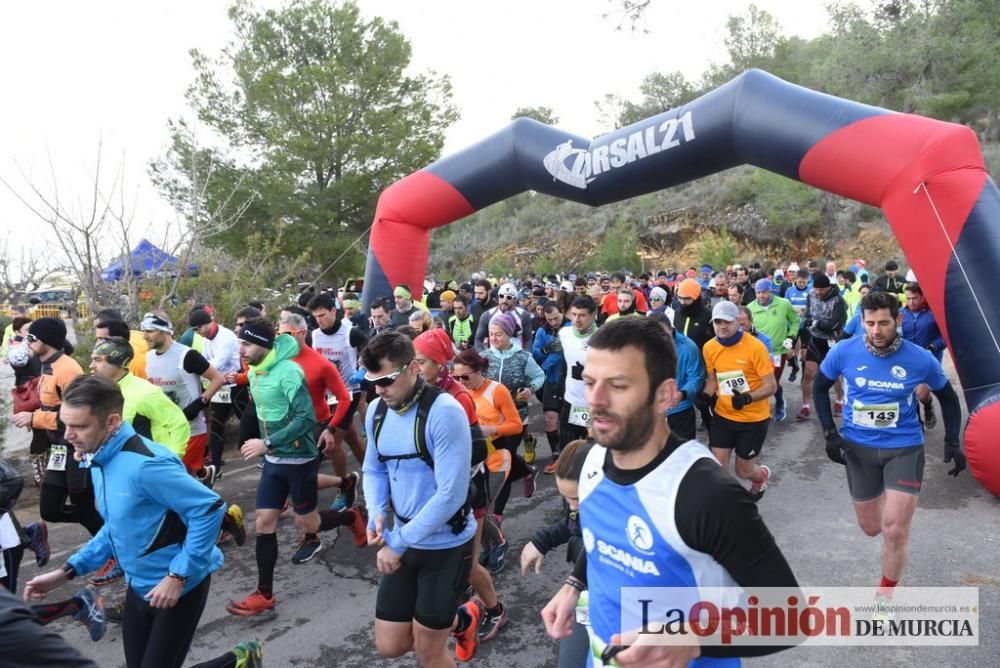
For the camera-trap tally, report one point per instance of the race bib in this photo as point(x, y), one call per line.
point(732, 380)
point(579, 416)
point(222, 396)
point(583, 609)
point(875, 416)
point(331, 399)
point(57, 457)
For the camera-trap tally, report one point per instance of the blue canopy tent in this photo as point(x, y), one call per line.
point(145, 258)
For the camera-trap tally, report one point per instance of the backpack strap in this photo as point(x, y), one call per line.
point(427, 398)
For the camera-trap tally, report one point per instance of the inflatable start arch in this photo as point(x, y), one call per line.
point(927, 176)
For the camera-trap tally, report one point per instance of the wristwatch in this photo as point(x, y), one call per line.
point(267, 443)
point(180, 578)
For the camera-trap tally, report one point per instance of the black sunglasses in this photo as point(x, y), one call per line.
point(389, 379)
point(464, 376)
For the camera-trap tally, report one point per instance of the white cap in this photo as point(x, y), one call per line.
point(726, 310)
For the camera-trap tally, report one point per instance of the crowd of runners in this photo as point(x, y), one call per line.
point(430, 390)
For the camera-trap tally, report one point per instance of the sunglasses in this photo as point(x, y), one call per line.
point(464, 376)
point(509, 298)
point(18, 338)
point(657, 299)
point(389, 379)
point(31, 338)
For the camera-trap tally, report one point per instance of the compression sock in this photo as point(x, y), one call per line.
point(50, 611)
point(495, 611)
point(267, 559)
point(331, 519)
point(463, 621)
point(887, 586)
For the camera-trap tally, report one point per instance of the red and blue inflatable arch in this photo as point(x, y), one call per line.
point(927, 176)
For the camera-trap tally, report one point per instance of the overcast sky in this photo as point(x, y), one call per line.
point(75, 73)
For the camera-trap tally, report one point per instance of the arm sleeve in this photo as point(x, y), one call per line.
point(482, 330)
point(333, 382)
point(449, 442)
point(195, 362)
point(716, 516)
point(821, 400)
point(793, 321)
point(951, 412)
point(511, 424)
point(168, 484)
point(693, 375)
point(22, 636)
point(375, 480)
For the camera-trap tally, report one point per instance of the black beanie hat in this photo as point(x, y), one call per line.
point(199, 317)
point(258, 332)
point(50, 331)
point(821, 280)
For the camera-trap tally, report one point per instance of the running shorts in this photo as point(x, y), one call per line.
point(871, 471)
point(427, 586)
point(278, 481)
point(746, 438)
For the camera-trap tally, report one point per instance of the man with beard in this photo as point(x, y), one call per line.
point(507, 296)
point(881, 441)
point(644, 489)
point(693, 319)
point(482, 291)
point(404, 306)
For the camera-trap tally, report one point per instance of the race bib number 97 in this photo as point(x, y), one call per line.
point(876, 416)
point(732, 380)
point(57, 458)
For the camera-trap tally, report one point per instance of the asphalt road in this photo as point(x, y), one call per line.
point(325, 607)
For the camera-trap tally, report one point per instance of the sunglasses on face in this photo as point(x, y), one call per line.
point(656, 299)
point(464, 376)
point(18, 338)
point(509, 298)
point(389, 379)
point(31, 338)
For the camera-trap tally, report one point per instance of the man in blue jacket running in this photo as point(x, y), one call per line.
point(159, 523)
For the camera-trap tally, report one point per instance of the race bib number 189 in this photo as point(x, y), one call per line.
point(732, 380)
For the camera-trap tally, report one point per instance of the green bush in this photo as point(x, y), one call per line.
point(718, 250)
point(785, 203)
point(618, 250)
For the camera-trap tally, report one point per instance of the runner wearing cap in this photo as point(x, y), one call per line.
point(178, 370)
point(740, 379)
point(507, 296)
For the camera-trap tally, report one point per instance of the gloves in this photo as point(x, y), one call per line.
point(835, 447)
point(194, 409)
point(953, 450)
point(357, 377)
point(702, 401)
point(787, 344)
point(932, 348)
point(577, 371)
point(741, 399)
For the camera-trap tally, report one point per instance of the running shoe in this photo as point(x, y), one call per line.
point(794, 363)
point(339, 504)
point(529, 448)
point(838, 409)
point(757, 489)
point(498, 557)
point(209, 478)
point(467, 641)
point(550, 468)
point(254, 604)
point(110, 572)
point(249, 654)
point(779, 411)
point(359, 525)
point(804, 413)
point(490, 625)
point(348, 493)
point(91, 613)
point(38, 541)
point(308, 548)
point(236, 527)
point(883, 611)
point(529, 482)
